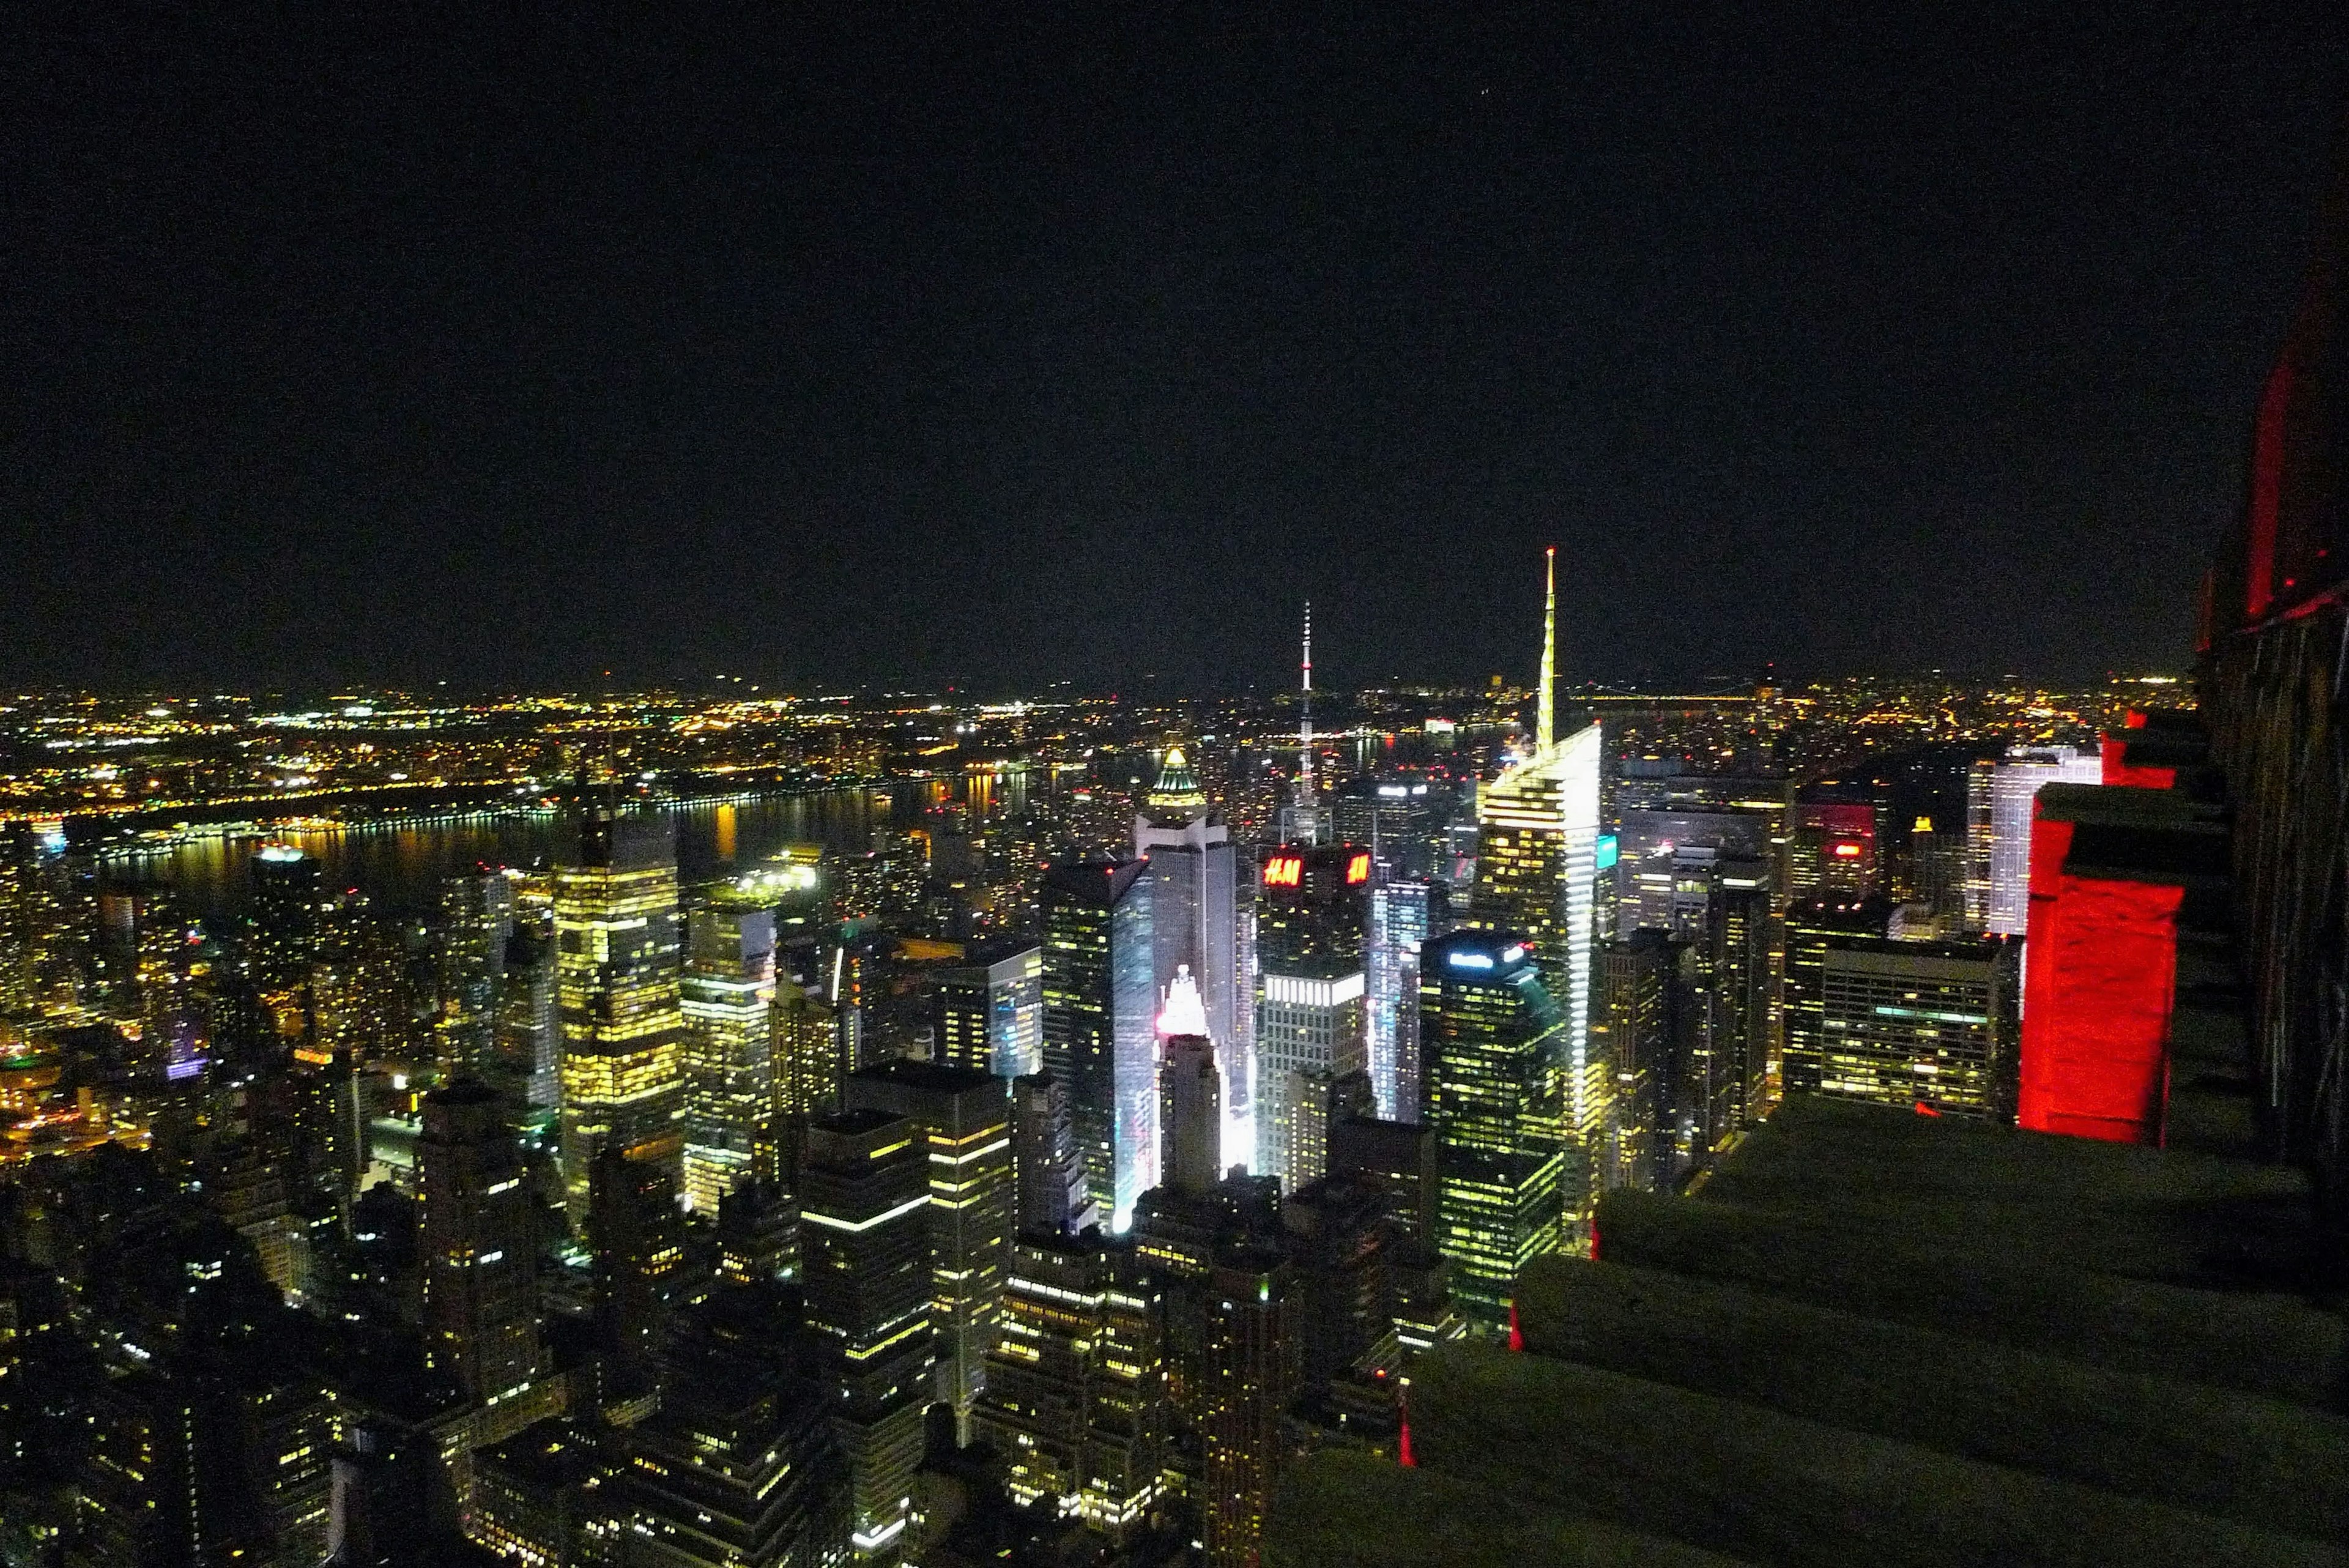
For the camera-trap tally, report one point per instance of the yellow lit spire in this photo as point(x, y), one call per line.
point(1545, 714)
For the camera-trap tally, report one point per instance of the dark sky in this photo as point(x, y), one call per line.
point(511, 342)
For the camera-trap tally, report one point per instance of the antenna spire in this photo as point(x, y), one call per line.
point(1305, 729)
point(1546, 715)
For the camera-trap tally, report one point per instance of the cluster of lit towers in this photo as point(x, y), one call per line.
point(1189, 1174)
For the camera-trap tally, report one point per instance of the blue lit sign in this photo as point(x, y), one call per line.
point(1609, 852)
point(1470, 961)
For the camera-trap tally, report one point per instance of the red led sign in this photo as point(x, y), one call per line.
point(1284, 871)
point(1358, 869)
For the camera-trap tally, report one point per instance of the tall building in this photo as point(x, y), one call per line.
point(530, 1023)
point(1921, 1024)
point(1054, 1198)
point(617, 965)
point(1251, 1365)
point(1400, 819)
point(1195, 919)
point(965, 1121)
point(864, 1207)
point(1811, 926)
point(1191, 1113)
point(810, 1063)
point(476, 922)
point(1633, 1033)
point(1492, 1037)
point(727, 998)
point(1076, 1384)
point(1834, 854)
point(736, 1469)
point(1303, 820)
point(1312, 930)
point(640, 1268)
point(1101, 1006)
point(2004, 852)
point(1404, 914)
point(989, 1013)
point(1537, 870)
point(479, 1243)
point(284, 917)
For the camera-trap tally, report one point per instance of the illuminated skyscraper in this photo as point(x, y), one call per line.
point(1492, 1037)
point(989, 1012)
point(1402, 915)
point(618, 969)
point(1924, 1024)
point(1100, 1007)
point(476, 920)
point(1190, 1113)
point(965, 1120)
point(864, 1241)
point(530, 1022)
point(1194, 924)
point(1537, 869)
point(1312, 927)
point(2013, 784)
point(810, 1063)
point(285, 918)
point(728, 1002)
point(1304, 820)
point(480, 1243)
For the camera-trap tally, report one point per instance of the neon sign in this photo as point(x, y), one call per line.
point(1358, 869)
point(1284, 871)
point(1848, 850)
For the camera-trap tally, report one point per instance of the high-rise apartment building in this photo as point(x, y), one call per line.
point(811, 1060)
point(616, 964)
point(1492, 1037)
point(478, 1244)
point(865, 1199)
point(965, 1122)
point(1100, 1007)
point(283, 921)
point(727, 998)
point(1811, 926)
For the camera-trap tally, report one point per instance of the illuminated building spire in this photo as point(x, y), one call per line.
point(1545, 714)
point(1304, 730)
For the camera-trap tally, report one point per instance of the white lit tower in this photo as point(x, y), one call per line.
point(1536, 876)
point(1195, 928)
point(1301, 820)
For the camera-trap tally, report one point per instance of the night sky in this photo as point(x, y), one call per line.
point(509, 343)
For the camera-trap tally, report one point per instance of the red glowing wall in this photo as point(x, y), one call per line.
point(2118, 770)
point(2100, 981)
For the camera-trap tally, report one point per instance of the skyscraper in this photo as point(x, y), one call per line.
point(1195, 922)
point(728, 1002)
point(285, 918)
point(1633, 1034)
point(480, 1243)
point(1537, 868)
point(1101, 1008)
point(809, 1065)
point(1313, 924)
point(1054, 1198)
point(1492, 1036)
point(864, 1241)
point(989, 1012)
point(1303, 819)
point(965, 1123)
point(1402, 918)
point(2014, 783)
point(616, 965)
point(1190, 1113)
point(476, 920)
